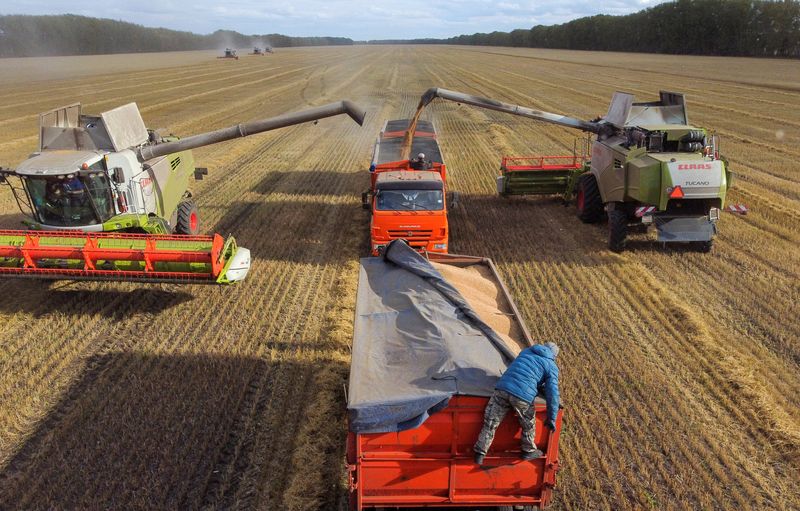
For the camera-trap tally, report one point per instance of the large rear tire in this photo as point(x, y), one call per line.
point(587, 199)
point(617, 229)
point(188, 221)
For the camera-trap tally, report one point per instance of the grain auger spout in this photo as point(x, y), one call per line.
point(148, 152)
point(600, 127)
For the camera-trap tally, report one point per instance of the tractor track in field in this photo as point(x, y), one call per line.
point(681, 365)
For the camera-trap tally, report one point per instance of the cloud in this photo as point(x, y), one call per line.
point(357, 19)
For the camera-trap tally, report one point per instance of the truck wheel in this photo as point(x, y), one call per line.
point(617, 230)
point(588, 200)
point(703, 246)
point(188, 221)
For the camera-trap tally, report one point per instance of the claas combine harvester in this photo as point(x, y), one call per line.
point(229, 54)
point(107, 199)
point(648, 166)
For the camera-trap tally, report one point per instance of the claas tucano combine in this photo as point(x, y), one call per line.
point(648, 166)
point(108, 199)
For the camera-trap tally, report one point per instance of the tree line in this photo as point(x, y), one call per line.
point(757, 28)
point(29, 36)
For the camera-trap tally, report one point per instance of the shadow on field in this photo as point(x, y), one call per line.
point(539, 229)
point(12, 221)
point(141, 431)
point(297, 230)
point(313, 182)
point(44, 297)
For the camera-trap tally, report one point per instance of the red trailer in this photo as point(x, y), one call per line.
point(428, 460)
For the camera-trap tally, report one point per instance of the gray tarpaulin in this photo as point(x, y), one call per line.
point(416, 342)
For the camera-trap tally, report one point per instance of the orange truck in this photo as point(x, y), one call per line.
point(432, 334)
point(407, 198)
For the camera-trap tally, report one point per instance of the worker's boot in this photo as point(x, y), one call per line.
point(532, 455)
point(479, 458)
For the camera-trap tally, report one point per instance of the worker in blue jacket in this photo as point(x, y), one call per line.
point(533, 369)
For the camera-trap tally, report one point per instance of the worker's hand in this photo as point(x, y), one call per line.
point(550, 425)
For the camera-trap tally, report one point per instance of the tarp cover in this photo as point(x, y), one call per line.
point(416, 343)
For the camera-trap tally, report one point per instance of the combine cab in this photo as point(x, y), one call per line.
point(105, 198)
point(408, 197)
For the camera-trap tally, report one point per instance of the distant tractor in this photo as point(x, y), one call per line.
point(648, 166)
point(257, 51)
point(229, 54)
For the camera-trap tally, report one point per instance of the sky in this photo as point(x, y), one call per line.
point(356, 19)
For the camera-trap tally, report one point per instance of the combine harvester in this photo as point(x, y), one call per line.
point(229, 54)
point(257, 51)
point(108, 199)
point(432, 335)
point(408, 197)
point(648, 166)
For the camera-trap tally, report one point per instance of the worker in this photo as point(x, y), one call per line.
point(534, 369)
point(419, 162)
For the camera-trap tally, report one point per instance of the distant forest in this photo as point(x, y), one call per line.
point(756, 28)
point(29, 36)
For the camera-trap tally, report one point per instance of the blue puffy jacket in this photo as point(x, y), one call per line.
point(534, 368)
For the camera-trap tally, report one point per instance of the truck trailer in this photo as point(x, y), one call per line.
point(433, 333)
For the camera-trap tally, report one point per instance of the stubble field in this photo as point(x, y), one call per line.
point(680, 370)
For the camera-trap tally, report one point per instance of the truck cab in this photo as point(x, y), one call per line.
point(407, 198)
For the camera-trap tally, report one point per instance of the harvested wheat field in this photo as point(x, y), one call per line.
point(680, 370)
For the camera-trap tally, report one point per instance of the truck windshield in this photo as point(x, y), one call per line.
point(410, 200)
point(71, 202)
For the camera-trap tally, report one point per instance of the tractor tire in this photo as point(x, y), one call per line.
point(587, 199)
point(188, 221)
point(617, 230)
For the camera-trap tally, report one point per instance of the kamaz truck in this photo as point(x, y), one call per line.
point(408, 197)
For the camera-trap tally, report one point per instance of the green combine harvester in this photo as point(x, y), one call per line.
point(648, 166)
point(108, 199)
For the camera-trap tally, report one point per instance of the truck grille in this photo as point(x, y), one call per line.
point(411, 234)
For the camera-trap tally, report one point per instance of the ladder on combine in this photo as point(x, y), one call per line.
point(77, 255)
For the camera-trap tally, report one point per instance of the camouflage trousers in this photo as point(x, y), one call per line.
point(499, 405)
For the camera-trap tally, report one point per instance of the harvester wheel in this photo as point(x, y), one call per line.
point(617, 229)
point(588, 200)
point(188, 221)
